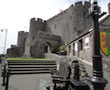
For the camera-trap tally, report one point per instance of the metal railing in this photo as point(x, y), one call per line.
point(6, 74)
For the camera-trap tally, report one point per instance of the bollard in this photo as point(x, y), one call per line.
point(76, 72)
point(75, 66)
point(7, 79)
point(4, 75)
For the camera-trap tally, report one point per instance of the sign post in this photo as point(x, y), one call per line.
point(97, 79)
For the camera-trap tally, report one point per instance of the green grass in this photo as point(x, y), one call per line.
point(28, 59)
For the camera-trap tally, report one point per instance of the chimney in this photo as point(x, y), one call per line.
point(109, 8)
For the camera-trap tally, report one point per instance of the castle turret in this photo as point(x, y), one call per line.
point(35, 27)
point(22, 36)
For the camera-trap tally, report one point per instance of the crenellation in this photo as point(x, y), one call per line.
point(40, 20)
point(86, 3)
point(78, 3)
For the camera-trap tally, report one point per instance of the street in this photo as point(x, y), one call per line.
point(106, 74)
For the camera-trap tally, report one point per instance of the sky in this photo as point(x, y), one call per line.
point(16, 14)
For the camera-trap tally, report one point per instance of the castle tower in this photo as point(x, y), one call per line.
point(22, 36)
point(35, 27)
point(81, 11)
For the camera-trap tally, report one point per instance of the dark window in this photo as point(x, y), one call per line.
point(69, 48)
point(73, 48)
point(46, 49)
point(55, 26)
point(80, 45)
point(75, 29)
point(33, 37)
point(70, 17)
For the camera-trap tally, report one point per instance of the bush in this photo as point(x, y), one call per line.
point(63, 50)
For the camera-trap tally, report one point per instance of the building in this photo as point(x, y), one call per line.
point(82, 45)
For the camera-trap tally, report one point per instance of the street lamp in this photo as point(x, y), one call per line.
point(97, 79)
point(4, 48)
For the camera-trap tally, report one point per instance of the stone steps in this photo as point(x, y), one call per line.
point(29, 72)
point(40, 61)
point(32, 63)
point(31, 66)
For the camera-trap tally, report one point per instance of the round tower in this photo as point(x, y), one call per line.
point(22, 36)
point(35, 27)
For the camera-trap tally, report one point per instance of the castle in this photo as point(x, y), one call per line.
point(71, 27)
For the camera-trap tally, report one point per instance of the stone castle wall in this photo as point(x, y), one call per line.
point(70, 22)
point(44, 40)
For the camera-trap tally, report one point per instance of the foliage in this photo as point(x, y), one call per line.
point(63, 48)
point(2, 55)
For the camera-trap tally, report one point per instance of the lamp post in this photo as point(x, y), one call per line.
point(97, 79)
point(4, 48)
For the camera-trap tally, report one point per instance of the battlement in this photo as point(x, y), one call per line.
point(20, 32)
point(46, 35)
point(80, 3)
point(40, 20)
point(37, 20)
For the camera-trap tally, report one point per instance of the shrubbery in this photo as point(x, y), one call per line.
point(62, 50)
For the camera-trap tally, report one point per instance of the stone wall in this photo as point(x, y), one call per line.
point(86, 53)
point(15, 51)
point(45, 40)
point(70, 22)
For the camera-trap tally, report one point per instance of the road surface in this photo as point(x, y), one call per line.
point(89, 70)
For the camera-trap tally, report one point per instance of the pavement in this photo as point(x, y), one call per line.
point(105, 67)
point(106, 72)
point(27, 82)
point(39, 81)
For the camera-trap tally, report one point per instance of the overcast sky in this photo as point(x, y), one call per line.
point(15, 15)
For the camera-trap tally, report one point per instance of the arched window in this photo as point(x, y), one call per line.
point(47, 47)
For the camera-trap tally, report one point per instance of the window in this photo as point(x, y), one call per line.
point(80, 45)
point(70, 17)
point(69, 48)
point(33, 37)
point(55, 26)
point(76, 47)
point(73, 48)
point(86, 42)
